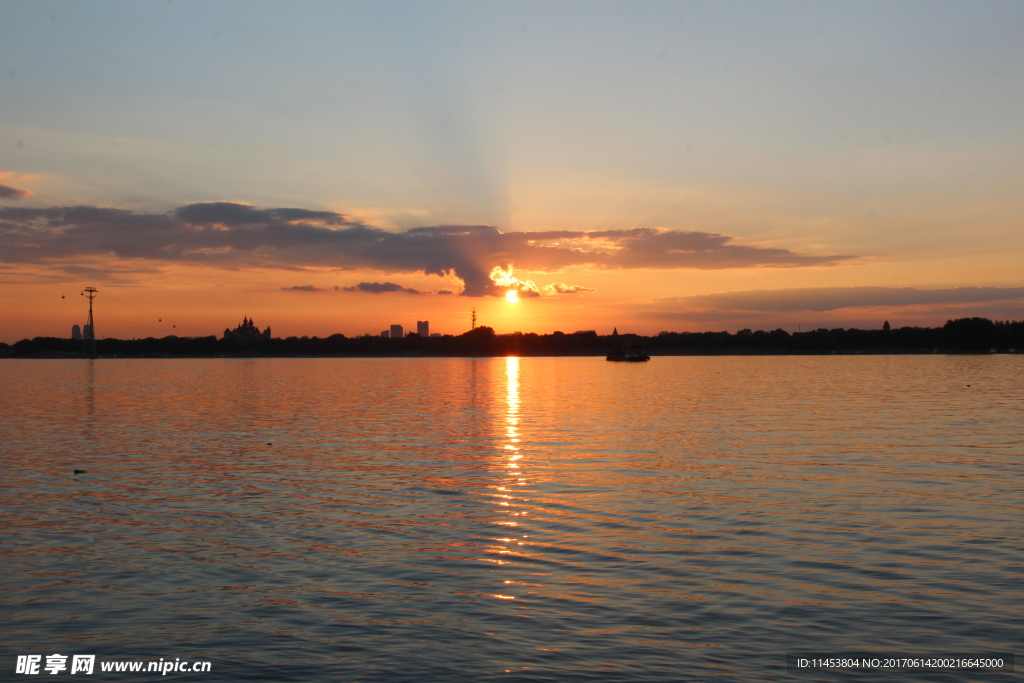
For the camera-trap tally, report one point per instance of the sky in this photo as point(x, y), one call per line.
point(338, 167)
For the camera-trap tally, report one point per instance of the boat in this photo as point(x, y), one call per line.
point(629, 354)
point(634, 355)
point(628, 351)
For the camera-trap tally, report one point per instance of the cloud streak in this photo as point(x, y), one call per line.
point(562, 288)
point(303, 288)
point(232, 235)
point(7, 192)
point(380, 288)
point(834, 298)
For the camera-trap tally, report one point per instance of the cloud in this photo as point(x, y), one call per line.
point(380, 288)
point(106, 271)
point(661, 248)
point(303, 288)
point(505, 281)
point(7, 192)
point(230, 214)
point(232, 235)
point(833, 298)
point(562, 288)
point(109, 273)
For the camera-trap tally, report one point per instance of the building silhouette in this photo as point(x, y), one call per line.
point(247, 332)
point(396, 332)
point(385, 334)
point(423, 328)
point(76, 332)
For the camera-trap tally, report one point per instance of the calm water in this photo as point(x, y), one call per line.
point(548, 519)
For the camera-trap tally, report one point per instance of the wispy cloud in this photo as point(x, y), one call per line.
point(833, 298)
point(231, 235)
point(231, 214)
point(562, 288)
point(7, 192)
point(380, 288)
point(505, 280)
point(303, 288)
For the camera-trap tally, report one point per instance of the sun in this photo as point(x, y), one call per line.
point(512, 296)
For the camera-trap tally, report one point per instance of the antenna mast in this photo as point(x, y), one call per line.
point(473, 319)
point(89, 347)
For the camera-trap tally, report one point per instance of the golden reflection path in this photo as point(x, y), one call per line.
point(512, 412)
point(512, 454)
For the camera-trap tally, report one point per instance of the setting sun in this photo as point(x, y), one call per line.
point(512, 296)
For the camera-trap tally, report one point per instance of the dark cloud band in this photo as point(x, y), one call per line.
point(231, 235)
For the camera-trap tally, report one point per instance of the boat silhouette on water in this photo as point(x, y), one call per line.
point(628, 355)
point(629, 352)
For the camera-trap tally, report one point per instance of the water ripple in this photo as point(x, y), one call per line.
point(544, 519)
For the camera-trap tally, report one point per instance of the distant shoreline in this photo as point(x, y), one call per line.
point(962, 336)
point(596, 354)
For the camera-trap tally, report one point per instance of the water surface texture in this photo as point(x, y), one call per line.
point(544, 519)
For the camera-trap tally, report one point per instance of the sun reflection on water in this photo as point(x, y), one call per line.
point(512, 411)
point(511, 459)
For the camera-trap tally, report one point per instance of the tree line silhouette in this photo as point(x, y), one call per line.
point(965, 335)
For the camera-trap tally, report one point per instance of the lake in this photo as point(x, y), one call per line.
point(519, 519)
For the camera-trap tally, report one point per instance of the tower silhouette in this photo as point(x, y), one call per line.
point(89, 345)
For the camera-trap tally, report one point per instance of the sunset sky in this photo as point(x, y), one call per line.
point(330, 167)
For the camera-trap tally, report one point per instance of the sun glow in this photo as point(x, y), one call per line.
point(512, 296)
point(505, 278)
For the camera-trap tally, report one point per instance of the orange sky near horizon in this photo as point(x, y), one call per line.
point(188, 301)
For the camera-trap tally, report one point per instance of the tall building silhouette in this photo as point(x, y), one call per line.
point(423, 328)
point(76, 332)
point(396, 332)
